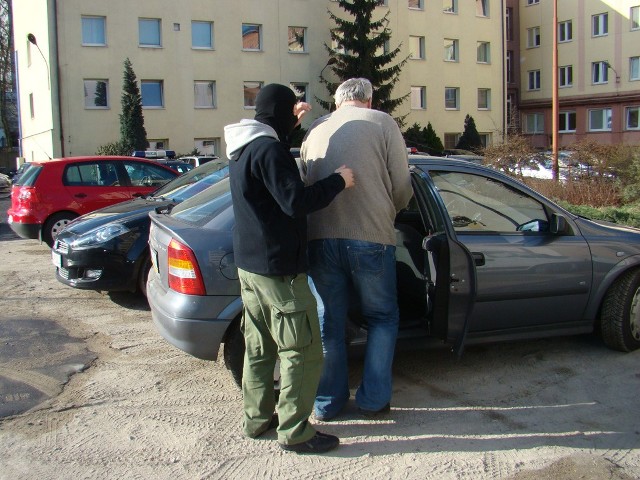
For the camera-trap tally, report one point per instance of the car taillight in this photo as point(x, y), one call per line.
point(184, 273)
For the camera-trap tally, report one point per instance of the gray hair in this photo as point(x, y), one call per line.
point(358, 89)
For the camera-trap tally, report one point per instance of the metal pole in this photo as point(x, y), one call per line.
point(554, 98)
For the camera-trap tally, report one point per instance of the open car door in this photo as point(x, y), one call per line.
point(452, 286)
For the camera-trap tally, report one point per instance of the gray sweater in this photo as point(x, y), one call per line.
point(369, 142)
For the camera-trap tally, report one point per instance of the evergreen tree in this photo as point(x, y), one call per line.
point(133, 135)
point(470, 139)
point(424, 139)
point(100, 99)
point(361, 54)
point(431, 139)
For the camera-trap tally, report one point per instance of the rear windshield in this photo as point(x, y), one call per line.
point(29, 176)
point(205, 205)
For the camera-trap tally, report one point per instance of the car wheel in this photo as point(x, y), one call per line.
point(620, 317)
point(234, 357)
point(54, 226)
point(143, 274)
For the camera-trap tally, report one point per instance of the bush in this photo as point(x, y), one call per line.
point(114, 148)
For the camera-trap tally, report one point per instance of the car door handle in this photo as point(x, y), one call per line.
point(478, 258)
point(80, 195)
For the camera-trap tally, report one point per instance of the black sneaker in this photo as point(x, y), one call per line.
point(319, 443)
point(375, 413)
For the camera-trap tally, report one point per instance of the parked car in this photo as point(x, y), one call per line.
point(480, 258)
point(49, 194)
point(177, 165)
point(5, 183)
point(461, 154)
point(197, 160)
point(108, 249)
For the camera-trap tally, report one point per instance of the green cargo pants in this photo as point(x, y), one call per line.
point(280, 320)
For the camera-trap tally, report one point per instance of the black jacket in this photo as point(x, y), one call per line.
point(271, 204)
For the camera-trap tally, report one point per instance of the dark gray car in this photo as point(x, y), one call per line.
point(480, 257)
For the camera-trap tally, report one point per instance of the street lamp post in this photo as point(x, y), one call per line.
point(32, 39)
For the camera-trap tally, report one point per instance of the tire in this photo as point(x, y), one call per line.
point(54, 225)
point(143, 274)
point(234, 357)
point(620, 316)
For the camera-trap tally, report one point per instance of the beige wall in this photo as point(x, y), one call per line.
point(178, 65)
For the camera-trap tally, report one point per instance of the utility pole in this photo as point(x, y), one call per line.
point(554, 95)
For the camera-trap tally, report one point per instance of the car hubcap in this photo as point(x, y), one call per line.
point(634, 316)
point(58, 226)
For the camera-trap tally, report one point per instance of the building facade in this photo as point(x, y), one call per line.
point(598, 71)
point(199, 64)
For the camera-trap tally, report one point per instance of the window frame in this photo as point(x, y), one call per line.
point(148, 83)
point(533, 37)
point(634, 17)
point(536, 76)
point(601, 69)
point(295, 86)
point(632, 61)
point(538, 124)
point(487, 99)
point(456, 91)
point(148, 21)
point(420, 5)
point(247, 26)
point(421, 47)
point(209, 84)
point(627, 117)
point(567, 115)
point(421, 96)
point(453, 43)
point(104, 31)
point(486, 48)
point(247, 86)
point(452, 8)
point(565, 31)
point(565, 71)
point(600, 21)
point(511, 77)
point(482, 9)
point(96, 81)
point(193, 43)
point(302, 44)
point(608, 119)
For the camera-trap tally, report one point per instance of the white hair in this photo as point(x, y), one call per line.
point(358, 89)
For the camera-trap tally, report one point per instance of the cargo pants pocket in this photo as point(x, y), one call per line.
point(291, 325)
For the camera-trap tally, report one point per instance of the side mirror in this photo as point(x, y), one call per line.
point(558, 224)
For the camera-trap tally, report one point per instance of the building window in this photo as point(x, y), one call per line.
point(158, 143)
point(533, 2)
point(416, 4)
point(567, 122)
point(451, 50)
point(251, 90)
point(451, 140)
point(416, 48)
point(565, 76)
point(204, 94)
point(534, 80)
point(600, 24)
point(565, 31)
point(484, 99)
point(599, 72)
point(251, 37)
point(450, 6)
point(418, 98)
point(482, 8)
point(297, 39)
point(301, 90)
point(96, 94)
point(600, 120)
point(484, 52)
point(510, 75)
point(207, 146)
point(632, 118)
point(509, 23)
point(634, 68)
point(202, 35)
point(485, 139)
point(534, 123)
point(31, 107)
point(533, 37)
point(635, 17)
point(94, 31)
point(149, 32)
point(452, 98)
point(152, 93)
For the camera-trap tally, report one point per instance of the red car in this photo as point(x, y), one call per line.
point(51, 193)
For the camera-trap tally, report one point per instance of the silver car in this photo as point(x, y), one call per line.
point(480, 258)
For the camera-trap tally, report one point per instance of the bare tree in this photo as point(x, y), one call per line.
point(8, 111)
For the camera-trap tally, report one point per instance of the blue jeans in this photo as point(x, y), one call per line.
point(347, 272)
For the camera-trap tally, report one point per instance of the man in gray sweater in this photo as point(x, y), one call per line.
point(352, 243)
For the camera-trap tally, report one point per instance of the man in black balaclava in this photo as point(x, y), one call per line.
point(280, 319)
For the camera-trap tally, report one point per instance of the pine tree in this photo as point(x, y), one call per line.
point(133, 135)
point(361, 54)
point(431, 139)
point(470, 139)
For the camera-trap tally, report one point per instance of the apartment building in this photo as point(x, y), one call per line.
point(598, 70)
point(200, 63)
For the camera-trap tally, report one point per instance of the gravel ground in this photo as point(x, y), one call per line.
point(130, 406)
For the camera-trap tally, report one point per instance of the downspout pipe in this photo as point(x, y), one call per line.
point(58, 90)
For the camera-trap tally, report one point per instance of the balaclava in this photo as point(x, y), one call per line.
point(274, 107)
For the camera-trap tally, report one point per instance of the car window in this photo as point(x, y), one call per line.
point(178, 192)
point(94, 174)
point(205, 205)
point(481, 204)
point(29, 175)
point(147, 174)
